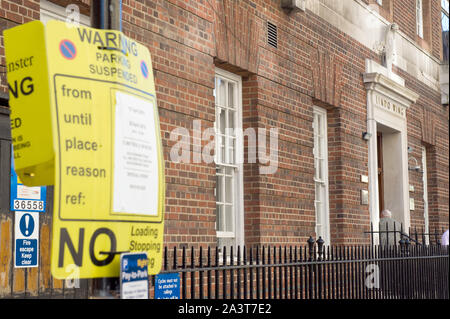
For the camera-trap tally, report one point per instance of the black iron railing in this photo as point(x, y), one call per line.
point(394, 234)
point(313, 271)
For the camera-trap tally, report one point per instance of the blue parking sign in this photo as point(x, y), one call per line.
point(134, 276)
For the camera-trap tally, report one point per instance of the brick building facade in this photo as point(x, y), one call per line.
point(319, 78)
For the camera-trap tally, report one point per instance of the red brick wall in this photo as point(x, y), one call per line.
point(405, 17)
point(404, 14)
point(436, 29)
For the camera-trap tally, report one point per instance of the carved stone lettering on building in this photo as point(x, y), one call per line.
point(386, 104)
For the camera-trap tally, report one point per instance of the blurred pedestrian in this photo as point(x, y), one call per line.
point(389, 228)
point(444, 239)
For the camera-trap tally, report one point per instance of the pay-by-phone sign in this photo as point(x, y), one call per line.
point(133, 276)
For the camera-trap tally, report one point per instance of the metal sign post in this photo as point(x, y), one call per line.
point(106, 14)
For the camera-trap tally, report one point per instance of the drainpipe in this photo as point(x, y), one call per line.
point(106, 14)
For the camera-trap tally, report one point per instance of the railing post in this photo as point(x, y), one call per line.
point(320, 243)
point(257, 274)
point(310, 247)
point(174, 258)
point(200, 273)
point(291, 275)
point(231, 272)
point(406, 269)
point(424, 240)
point(269, 275)
point(183, 274)
point(275, 275)
point(296, 273)
point(239, 273)
point(192, 273)
point(251, 273)
point(400, 274)
point(280, 272)
point(286, 284)
point(302, 281)
point(165, 258)
point(408, 276)
point(310, 279)
point(371, 233)
point(224, 273)
point(209, 273)
point(216, 274)
point(245, 273)
point(263, 258)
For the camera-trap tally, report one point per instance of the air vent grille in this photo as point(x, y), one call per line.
point(272, 35)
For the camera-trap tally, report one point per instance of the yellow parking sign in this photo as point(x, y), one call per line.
point(108, 161)
point(29, 100)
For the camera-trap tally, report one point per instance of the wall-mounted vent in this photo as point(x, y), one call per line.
point(272, 35)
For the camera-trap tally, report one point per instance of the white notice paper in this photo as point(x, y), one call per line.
point(135, 290)
point(26, 192)
point(135, 157)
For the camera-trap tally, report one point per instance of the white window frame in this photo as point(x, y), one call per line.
point(52, 11)
point(320, 152)
point(425, 195)
point(419, 18)
point(236, 166)
point(444, 14)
